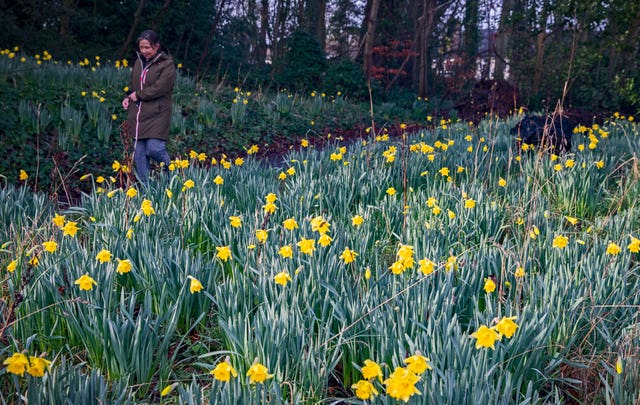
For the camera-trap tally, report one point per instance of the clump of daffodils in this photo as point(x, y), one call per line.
point(400, 384)
point(486, 337)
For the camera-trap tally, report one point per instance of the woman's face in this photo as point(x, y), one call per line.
point(147, 50)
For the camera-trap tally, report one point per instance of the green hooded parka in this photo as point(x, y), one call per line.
point(153, 83)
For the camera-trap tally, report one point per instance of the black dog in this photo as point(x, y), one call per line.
point(547, 132)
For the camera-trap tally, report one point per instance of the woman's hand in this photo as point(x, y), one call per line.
point(127, 100)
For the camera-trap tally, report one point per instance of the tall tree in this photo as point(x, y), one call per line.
point(426, 29)
point(343, 28)
point(502, 40)
point(263, 32)
point(470, 36)
point(132, 29)
point(312, 19)
point(540, 45)
point(371, 22)
point(212, 30)
point(280, 26)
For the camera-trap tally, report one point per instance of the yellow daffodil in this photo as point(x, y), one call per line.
point(253, 149)
point(261, 235)
point(485, 337)
point(417, 363)
point(307, 246)
point(348, 256)
point(325, 240)
point(85, 282)
point(397, 267)
point(147, 208)
point(271, 198)
point(34, 261)
point(103, 256)
point(451, 263)
point(223, 371)
point(17, 364)
point(619, 366)
point(405, 256)
point(70, 228)
point(357, 220)
point(269, 208)
point(320, 225)
point(560, 242)
point(290, 224)
point(58, 220)
point(195, 285)
point(489, 285)
point(613, 249)
point(571, 220)
point(401, 384)
point(188, 184)
point(364, 390)
point(37, 366)
point(286, 252)
point(124, 266)
point(50, 246)
point(506, 326)
point(426, 266)
point(371, 369)
point(534, 232)
point(282, 278)
point(11, 267)
point(223, 253)
point(168, 389)
point(235, 221)
point(258, 373)
point(132, 192)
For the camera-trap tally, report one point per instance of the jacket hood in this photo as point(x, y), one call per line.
point(160, 56)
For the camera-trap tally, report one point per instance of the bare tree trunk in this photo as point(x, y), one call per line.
point(372, 19)
point(132, 30)
point(160, 14)
point(320, 29)
point(502, 41)
point(261, 52)
point(537, 75)
point(428, 16)
point(311, 15)
point(279, 30)
point(64, 20)
point(207, 43)
point(540, 43)
point(418, 30)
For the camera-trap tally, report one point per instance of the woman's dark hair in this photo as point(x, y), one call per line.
point(150, 36)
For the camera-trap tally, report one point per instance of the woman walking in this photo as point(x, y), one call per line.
point(149, 103)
